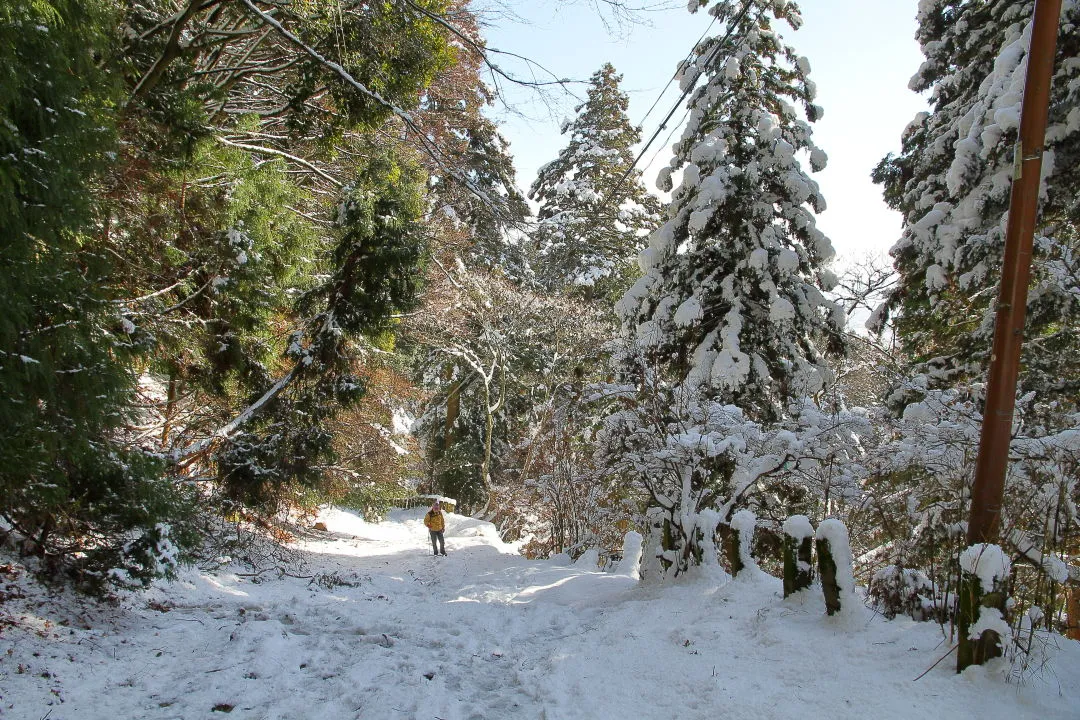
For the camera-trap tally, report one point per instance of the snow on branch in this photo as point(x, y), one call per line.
point(1055, 568)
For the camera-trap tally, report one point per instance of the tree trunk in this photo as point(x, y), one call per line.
point(453, 408)
point(485, 467)
point(731, 546)
point(1072, 613)
point(170, 408)
point(174, 48)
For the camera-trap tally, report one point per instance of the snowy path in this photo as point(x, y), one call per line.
point(486, 635)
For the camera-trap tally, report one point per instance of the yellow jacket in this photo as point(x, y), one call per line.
point(434, 521)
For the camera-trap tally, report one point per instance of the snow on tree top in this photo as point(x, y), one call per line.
point(986, 561)
point(798, 527)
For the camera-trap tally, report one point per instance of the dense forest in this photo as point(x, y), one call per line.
point(263, 255)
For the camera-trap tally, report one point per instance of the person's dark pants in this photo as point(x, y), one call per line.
point(437, 542)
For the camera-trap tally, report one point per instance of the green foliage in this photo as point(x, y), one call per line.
point(66, 487)
point(392, 49)
point(203, 213)
point(141, 522)
point(952, 183)
point(276, 454)
point(458, 469)
point(380, 246)
point(376, 259)
point(235, 255)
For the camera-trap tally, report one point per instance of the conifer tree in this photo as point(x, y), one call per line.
point(594, 214)
point(72, 493)
point(731, 298)
point(729, 322)
point(952, 182)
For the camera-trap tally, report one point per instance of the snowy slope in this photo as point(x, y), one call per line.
point(485, 634)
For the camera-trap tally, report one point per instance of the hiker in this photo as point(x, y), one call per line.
point(436, 524)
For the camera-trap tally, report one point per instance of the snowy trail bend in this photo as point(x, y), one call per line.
point(386, 631)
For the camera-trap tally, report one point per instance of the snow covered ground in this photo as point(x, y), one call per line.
point(485, 634)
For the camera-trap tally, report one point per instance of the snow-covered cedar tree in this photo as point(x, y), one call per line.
point(71, 494)
point(952, 183)
point(731, 300)
point(594, 215)
point(729, 323)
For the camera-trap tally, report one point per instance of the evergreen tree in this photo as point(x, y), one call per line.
point(75, 495)
point(453, 117)
point(594, 214)
point(731, 298)
point(376, 272)
point(729, 318)
point(292, 217)
point(952, 182)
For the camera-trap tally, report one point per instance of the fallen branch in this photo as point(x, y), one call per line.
point(937, 663)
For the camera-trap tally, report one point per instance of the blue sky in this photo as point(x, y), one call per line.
point(861, 52)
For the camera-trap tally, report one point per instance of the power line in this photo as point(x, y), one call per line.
point(675, 74)
point(686, 93)
point(668, 138)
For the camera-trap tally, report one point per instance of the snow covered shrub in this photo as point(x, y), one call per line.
point(896, 590)
point(1032, 647)
point(915, 509)
point(565, 503)
point(151, 554)
point(699, 462)
point(690, 456)
point(129, 517)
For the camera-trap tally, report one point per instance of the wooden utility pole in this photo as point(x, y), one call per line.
point(989, 488)
point(1015, 275)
